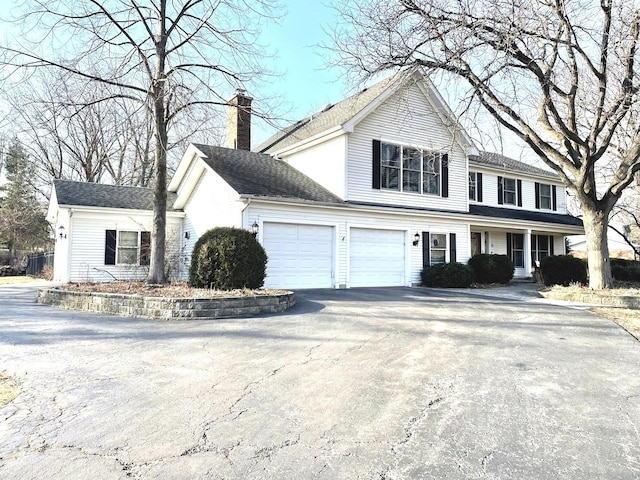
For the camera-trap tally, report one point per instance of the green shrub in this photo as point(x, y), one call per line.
point(625, 270)
point(447, 275)
point(491, 268)
point(563, 270)
point(227, 258)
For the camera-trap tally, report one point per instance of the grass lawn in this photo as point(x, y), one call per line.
point(627, 318)
point(14, 279)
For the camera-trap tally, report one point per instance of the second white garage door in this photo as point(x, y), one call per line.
point(377, 257)
point(300, 256)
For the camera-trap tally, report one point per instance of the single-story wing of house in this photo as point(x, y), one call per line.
point(366, 192)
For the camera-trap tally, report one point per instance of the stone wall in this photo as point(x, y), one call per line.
point(166, 308)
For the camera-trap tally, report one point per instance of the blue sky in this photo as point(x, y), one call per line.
point(306, 83)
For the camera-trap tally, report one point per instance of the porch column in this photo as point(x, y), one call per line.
point(528, 268)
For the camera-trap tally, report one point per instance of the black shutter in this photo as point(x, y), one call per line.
point(509, 245)
point(478, 187)
point(519, 187)
point(554, 201)
point(445, 175)
point(452, 248)
point(375, 168)
point(537, 195)
point(551, 245)
point(500, 191)
point(110, 247)
point(145, 248)
point(426, 260)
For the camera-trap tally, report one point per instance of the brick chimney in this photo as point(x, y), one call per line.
point(240, 121)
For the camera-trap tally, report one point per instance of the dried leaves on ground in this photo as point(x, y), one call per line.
point(9, 389)
point(174, 290)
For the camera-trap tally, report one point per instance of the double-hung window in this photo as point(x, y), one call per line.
point(509, 191)
point(438, 247)
point(409, 169)
point(127, 247)
point(545, 196)
point(475, 186)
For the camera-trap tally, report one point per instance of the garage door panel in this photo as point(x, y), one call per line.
point(377, 257)
point(300, 256)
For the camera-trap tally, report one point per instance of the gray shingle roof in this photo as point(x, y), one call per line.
point(331, 116)
point(251, 173)
point(108, 196)
point(527, 215)
point(495, 160)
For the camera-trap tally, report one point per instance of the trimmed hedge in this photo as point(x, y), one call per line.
point(447, 275)
point(491, 268)
point(227, 258)
point(625, 270)
point(563, 270)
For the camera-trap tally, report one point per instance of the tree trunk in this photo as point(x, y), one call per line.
point(158, 232)
point(596, 224)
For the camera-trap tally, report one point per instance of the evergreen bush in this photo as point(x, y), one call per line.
point(625, 270)
point(563, 270)
point(447, 275)
point(227, 258)
point(491, 268)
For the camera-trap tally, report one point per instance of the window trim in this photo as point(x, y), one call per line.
point(113, 247)
point(477, 186)
point(553, 202)
point(517, 192)
point(379, 165)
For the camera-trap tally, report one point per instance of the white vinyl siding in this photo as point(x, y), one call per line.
point(324, 163)
point(406, 118)
point(490, 190)
point(343, 220)
point(213, 203)
point(87, 245)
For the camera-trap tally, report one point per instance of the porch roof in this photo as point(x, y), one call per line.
point(526, 215)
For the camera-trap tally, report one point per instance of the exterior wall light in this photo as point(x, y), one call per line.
point(254, 228)
point(416, 239)
point(61, 233)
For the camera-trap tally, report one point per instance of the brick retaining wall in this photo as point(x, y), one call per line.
point(166, 308)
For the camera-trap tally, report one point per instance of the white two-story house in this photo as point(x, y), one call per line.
point(366, 192)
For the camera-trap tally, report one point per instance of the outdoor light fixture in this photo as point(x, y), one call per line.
point(416, 239)
point(187, 235)
point(61, 232)
point(254, 229)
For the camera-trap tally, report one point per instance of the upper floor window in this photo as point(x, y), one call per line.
point(409, 169)
point(545, 196)
point(475, 186)
point(509, 191)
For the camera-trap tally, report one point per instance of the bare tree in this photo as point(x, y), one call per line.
point(170, 57)
point(561, 75)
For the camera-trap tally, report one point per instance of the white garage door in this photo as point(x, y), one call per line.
point(377, 257)
point(300, 256)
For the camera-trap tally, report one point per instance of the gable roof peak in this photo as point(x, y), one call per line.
point(335, 115)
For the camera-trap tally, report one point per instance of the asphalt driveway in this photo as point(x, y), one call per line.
point(365, 383)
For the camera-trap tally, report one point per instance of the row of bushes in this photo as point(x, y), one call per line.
point(491, 268)
point(483, 268)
